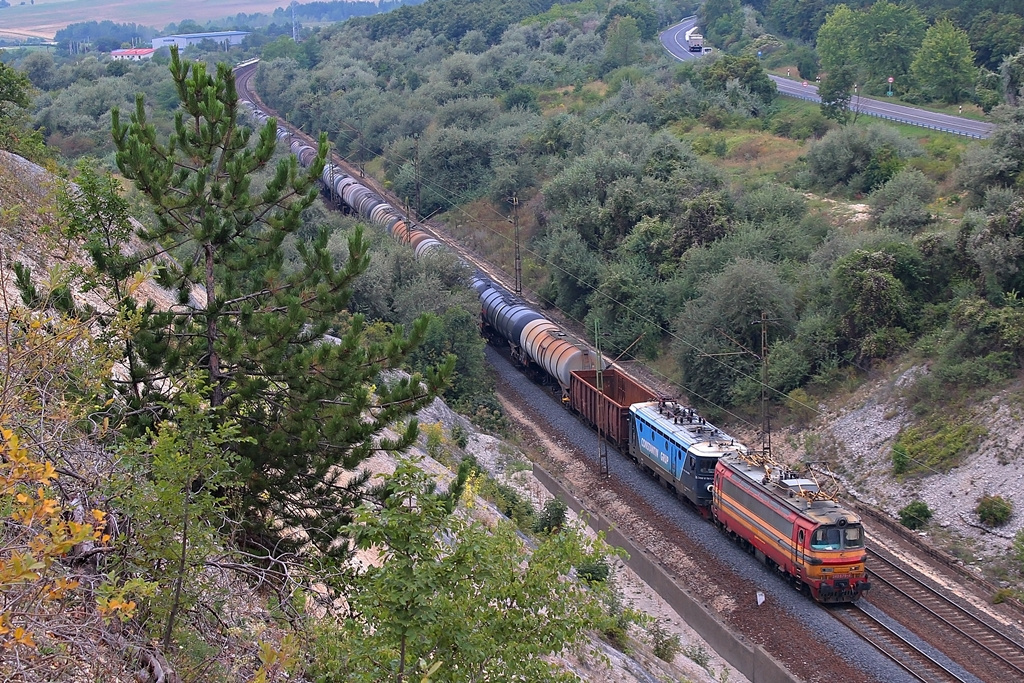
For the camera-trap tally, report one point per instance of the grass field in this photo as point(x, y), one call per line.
point(44, 18)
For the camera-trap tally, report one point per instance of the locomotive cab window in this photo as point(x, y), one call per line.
point(826, 538)
point(707, 465)
point(834, 538)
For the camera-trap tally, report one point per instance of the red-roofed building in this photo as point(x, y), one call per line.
point(134, 54)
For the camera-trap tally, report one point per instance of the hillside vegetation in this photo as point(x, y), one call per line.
point(677, 207)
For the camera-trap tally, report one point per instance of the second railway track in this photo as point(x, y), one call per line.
point(911, 658)
point(985, 649)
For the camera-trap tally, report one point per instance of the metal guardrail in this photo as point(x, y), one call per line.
point(888, 117)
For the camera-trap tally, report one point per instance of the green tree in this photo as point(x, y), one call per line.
point(462, 601)
point(944, 64)
point(641, 10)
point(836, 92)
point(888, 36)
point(1012, 73)
point(622, 46)
point(747, 70)
point(995, 37)
point(835, 43)
point(722, 21)
point(870, 295)
point(798, 18)
point(15, 133)
point(308, 404)
point(719, 322)
point(879, 42)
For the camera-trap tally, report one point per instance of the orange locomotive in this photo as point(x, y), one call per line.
point(791, 526)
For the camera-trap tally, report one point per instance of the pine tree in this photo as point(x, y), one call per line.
point(281, 355)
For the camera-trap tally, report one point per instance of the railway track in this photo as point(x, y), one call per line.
point(981, 647)
point(905, 654)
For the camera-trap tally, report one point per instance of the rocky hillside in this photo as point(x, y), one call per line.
point(862, 429)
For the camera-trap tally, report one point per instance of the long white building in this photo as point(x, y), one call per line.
point(186, 39)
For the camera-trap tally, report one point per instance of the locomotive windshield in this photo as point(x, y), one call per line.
point(834, 538)
point(706, 465)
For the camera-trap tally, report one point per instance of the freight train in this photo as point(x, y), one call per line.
point(782, 518)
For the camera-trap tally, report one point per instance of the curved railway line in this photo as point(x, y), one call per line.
point(968, 639)
point(982, 648)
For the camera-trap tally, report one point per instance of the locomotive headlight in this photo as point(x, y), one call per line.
point(826, 570)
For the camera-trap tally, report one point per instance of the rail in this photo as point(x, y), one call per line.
point(894, 646)
point(980, 638)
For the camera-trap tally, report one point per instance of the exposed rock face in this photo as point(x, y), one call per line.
point(863, 433)
point(30, 234)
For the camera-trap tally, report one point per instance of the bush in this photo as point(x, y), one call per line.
point(915, 515)
point(459, 436)
point(594, 572)
point(994, 510)
point(698, 655)
point(885, 342)
point(864, 158)
point(899, 204)
point(936, 445)
point(552, 518)
point(771, 202)
point(665, 645)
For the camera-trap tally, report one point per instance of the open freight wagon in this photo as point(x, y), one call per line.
point(607, 410)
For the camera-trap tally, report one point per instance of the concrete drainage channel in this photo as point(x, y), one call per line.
point(749, 659)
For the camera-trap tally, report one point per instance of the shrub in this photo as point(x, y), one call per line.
point(509, 502)
point(459, 436)
point(552, 518)
point(665, 645)
point(594, 572)
point(885, 342)
point(915, 515)
point(801, 405)
point(771, 202)
point(937, 444)
point(864, 157)
point(994, 510)
point(698, 655)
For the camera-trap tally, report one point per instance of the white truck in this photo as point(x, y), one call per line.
point(694, 40)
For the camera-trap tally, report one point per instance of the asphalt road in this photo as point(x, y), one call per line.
point(672, 40)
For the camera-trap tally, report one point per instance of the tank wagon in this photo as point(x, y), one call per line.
point(535, 343)
point(783, 519)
